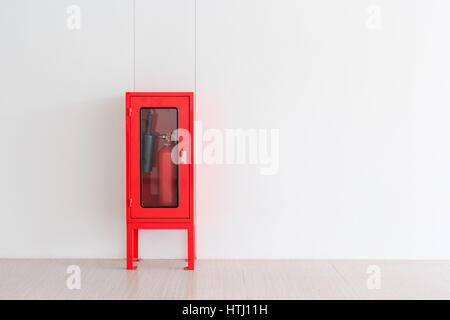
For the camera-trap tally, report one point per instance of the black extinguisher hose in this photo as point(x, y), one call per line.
point(147, 146)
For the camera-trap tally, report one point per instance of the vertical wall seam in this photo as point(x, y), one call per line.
point(134, 45)
point(195, 46)
point(195, 117)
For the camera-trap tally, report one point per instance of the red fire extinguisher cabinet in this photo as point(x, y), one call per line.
point(159, 164)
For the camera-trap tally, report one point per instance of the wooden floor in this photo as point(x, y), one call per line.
point(225, 279)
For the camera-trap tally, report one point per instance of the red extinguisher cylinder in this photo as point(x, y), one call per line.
point(167, 178)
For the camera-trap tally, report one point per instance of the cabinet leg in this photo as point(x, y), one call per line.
point(191, 253)
point(130, 245)
point(136, 245)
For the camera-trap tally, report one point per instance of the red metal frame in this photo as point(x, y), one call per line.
point(149, 218)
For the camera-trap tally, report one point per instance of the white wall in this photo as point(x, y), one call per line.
point(362, 114)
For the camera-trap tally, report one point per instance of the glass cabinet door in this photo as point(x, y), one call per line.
point(159, 174)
